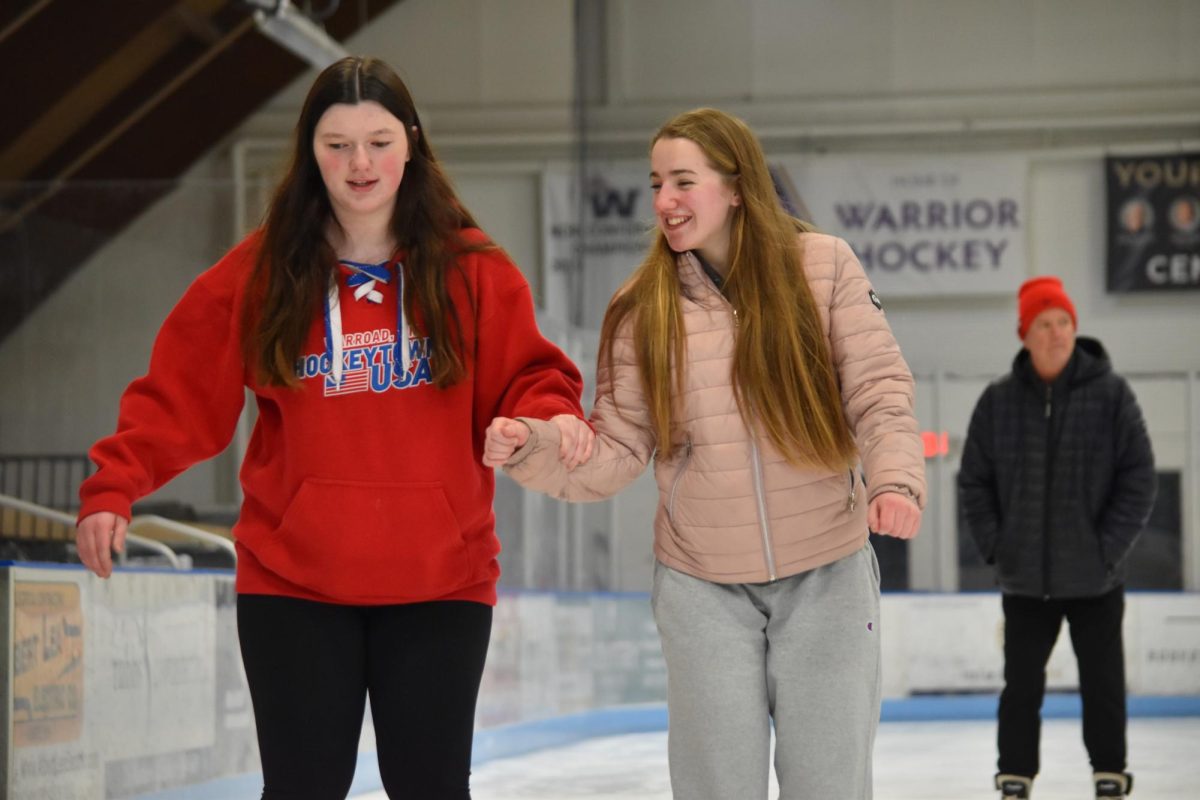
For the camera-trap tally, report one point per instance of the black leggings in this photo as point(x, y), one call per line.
point(310, 667)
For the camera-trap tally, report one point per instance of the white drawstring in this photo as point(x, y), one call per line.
point(368, 289)
point(368, 274)
point(402, 332)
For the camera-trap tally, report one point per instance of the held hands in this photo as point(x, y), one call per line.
point(505, 435)
point(893, 514)
point(96, 537)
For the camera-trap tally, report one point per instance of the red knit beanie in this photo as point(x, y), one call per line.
point(1038, 294)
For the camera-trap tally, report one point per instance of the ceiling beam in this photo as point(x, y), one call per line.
point(76, 108)
point(22, 17)
point(113, 134)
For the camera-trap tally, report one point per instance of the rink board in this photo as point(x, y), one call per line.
point(132, 686)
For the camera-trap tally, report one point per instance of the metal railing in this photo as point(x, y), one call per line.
point(153, 520)
point(139, 522)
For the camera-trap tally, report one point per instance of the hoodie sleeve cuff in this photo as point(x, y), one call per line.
point(112, 502)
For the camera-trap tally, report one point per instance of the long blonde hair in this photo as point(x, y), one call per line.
point(783, 374)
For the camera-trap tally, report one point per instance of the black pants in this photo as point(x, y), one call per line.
point(1031, 627)
point(311, 666)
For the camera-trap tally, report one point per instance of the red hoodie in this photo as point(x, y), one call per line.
point(371, 492)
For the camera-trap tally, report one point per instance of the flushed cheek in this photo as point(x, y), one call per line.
point(329, 166)
point(391, 170)
point(330, 169)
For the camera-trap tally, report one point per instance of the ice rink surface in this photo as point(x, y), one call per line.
point(945, 760)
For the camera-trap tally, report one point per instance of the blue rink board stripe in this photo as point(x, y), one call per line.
point(508, 741)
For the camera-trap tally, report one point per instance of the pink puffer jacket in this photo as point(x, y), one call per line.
point(731, 509)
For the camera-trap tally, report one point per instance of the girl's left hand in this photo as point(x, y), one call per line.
point(894, 514)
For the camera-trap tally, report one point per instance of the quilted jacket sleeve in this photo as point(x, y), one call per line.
point(877, 386)
point(1134, 483)
point(624, 444)
point(977, 493)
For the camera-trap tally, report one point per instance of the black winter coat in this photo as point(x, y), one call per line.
point(1057, 480)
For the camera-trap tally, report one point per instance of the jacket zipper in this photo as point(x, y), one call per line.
point(759, 495)
point(687, 456)
point(759, 492)
point(851, 502)
point(1046, 494)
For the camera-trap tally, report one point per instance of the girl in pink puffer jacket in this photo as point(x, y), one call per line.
point(766, 589)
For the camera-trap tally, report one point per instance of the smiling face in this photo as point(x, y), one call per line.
point(361, 150)
point(693, 202)
point(1050, 341)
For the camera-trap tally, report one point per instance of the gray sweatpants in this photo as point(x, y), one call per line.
point(802, 651)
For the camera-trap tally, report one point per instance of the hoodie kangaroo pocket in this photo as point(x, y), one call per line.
point(354, 539)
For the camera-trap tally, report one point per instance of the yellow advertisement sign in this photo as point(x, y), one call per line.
point(47, 663)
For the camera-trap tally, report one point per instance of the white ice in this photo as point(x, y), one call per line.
point(913, 761)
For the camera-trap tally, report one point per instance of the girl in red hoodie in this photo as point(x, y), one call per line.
point(380, 332)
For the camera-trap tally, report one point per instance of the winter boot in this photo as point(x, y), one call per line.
point(1112, 784)
point(1015, 787)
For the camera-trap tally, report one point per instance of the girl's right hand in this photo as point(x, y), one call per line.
point(97, 537)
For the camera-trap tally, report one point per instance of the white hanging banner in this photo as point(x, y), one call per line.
point(921, 226)
point(616, 223)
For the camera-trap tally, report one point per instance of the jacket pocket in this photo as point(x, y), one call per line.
point(353, 539)
point(1007, 555)
point(1092, 554)
point(683, 465)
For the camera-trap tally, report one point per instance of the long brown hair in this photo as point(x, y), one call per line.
point(290, 277)
point(783, 374)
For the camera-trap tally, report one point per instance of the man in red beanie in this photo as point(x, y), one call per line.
point(1046, 325)
point(1057, 481)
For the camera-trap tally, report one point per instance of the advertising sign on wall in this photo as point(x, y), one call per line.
point(921, 226)
point(47, 701)
point(604, 240)
point(51, 754)
point(1153, 223)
